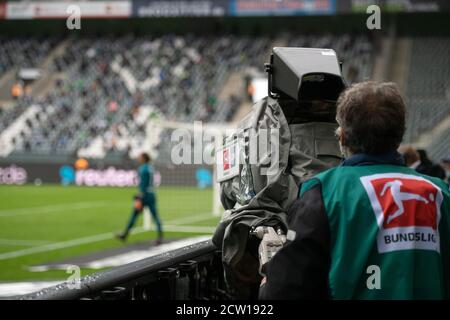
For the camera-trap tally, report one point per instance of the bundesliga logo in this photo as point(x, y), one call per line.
point(407, 210)
point(226, 159)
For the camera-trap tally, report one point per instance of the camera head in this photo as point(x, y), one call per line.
point(311, 77)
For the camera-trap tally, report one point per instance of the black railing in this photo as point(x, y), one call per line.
point(193, 272)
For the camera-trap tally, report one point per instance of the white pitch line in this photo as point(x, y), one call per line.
point(55, 246)
point(53, 208)
point(16, 242)
point(171, 227)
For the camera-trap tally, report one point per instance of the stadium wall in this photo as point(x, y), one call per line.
point(182, 25)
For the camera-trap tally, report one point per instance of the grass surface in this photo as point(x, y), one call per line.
point(35, 217)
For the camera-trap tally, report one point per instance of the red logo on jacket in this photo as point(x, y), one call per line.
point(406, 202)
point(407, 211)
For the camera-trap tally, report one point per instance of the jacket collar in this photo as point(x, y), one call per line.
point(363, 159)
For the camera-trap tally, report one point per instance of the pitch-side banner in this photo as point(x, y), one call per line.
point(101, 174)
point(62, 9)
point(411, 6)
point(2, 10)
point(208, 8)
point(282, 7)
point(180, 8)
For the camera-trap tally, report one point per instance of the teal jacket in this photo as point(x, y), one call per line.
point(369, 229)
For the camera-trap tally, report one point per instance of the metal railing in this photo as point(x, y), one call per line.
point(193, 272)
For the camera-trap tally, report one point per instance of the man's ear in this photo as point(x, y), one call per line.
point(341, 136)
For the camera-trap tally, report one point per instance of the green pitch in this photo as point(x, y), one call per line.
point(40, 224)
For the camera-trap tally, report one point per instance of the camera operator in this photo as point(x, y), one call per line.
point(370, 228)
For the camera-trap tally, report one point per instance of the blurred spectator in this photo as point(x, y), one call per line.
point(16, 90)
point(427, 167)
point(419, 161)
point(410, 155)
point(446, 166)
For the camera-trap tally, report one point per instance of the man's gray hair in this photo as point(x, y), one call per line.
point(372, 117)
